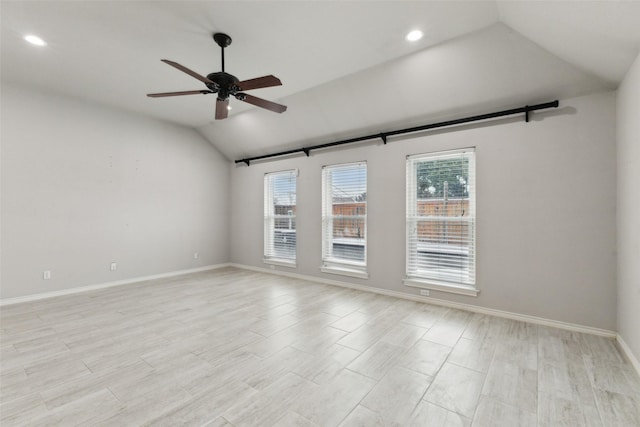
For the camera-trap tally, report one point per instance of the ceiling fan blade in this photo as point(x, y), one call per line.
point(259, 82)
point(188, 71)
point(188, 92)
point(263, 103)
point(221, 108)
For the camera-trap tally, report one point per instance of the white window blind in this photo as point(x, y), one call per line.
point(280, 216)
point(344, 216)
point(441, 217)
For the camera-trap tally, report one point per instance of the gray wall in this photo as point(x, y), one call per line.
point(84, 186)
point(481, 71)
point(545, 212)
point(629, 208)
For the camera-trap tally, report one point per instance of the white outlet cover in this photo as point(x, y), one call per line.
point(196, 255)
point(46, 275)
point(114, 266)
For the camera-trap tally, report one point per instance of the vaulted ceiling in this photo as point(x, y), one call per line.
point(345, 66)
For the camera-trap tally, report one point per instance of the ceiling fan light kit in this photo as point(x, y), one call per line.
point(227, 85)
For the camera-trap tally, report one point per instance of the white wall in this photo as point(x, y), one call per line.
point(545, 211)
point(628, 208)
point(84, 186)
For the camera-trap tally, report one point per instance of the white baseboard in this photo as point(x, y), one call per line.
point(626, 350)
point(467, 307)
point(45, 295)
point(461, 306)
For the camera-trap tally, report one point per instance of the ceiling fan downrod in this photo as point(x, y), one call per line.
point(223, 40)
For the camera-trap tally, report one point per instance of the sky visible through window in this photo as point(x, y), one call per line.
point(349, 183)
point(284, 190)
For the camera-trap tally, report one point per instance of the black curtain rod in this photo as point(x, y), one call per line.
point(383, 135)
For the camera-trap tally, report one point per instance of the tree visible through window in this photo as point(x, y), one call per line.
point(441, 217)
point(437, 177)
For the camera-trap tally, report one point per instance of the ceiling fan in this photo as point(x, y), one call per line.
point(226, 85)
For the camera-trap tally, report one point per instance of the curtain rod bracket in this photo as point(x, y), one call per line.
point(306, 151)
point(383, 136)
point(526, 113)
point(247, 161)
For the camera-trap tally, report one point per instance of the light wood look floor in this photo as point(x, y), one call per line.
point(237, 348)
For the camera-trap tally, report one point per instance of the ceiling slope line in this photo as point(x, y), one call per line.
point(384, 135)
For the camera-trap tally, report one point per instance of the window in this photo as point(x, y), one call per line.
point(344, 219)
point(441, 221)
point(280, 218)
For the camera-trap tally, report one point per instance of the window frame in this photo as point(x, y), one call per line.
point(424, 281)
point(331, 264)
point(269, 220)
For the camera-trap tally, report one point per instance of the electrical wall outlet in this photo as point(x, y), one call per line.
point(196, 255)
point(424, 292)
point(46, 275)
point(114, 266)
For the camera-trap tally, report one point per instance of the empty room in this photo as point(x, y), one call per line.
point(320, 213)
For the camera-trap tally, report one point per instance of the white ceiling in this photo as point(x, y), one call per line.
point(345, 66)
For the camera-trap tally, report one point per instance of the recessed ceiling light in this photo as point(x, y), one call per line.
point(414, 35)
point(35, 40)
point(229, 107)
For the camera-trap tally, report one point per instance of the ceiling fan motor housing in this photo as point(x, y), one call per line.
point(227, 84)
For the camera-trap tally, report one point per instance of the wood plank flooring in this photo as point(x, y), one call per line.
point(236, 348)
